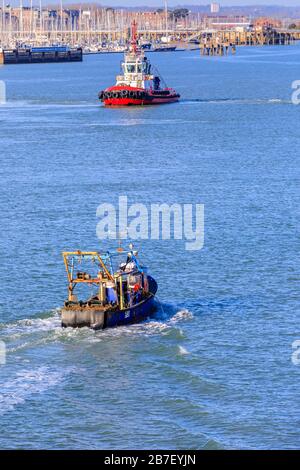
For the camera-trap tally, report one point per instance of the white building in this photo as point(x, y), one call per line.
point(214, 7)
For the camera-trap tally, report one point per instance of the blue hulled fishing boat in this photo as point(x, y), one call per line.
point(120, 292)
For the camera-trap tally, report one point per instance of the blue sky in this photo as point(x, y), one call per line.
point(201, 2)
point(172, 3)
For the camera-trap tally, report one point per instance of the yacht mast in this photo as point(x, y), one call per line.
point(61, 19)
point(21, 20)
point(31, 19)
point(41, 19)
point(166, 18)
point(3, 20)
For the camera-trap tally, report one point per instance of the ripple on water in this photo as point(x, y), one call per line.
point(47, 328)
point(26, 383)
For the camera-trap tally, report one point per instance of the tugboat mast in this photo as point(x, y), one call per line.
point(134, 37)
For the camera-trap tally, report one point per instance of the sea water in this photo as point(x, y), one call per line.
point(213, 368)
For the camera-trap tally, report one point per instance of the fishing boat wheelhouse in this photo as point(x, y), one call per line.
point(119, 293)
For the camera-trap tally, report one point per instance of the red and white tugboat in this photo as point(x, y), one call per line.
point(138, 85)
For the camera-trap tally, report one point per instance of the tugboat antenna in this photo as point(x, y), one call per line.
point(134, 36)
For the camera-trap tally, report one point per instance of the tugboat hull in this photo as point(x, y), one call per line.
point(117, 96)
point(137, 102)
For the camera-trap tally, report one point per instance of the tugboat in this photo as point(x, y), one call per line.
point(120, 294)
point(138, 85)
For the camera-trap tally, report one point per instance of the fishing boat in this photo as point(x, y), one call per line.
point(139, 84)
point(164, 48)
point(120, 291)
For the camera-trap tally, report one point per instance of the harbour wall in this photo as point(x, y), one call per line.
point(28, 56)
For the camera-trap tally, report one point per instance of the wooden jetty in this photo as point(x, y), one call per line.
point(211, 48)
point(249, 38)
point(225, 42)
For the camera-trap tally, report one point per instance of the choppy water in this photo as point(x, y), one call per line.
point(213, 369)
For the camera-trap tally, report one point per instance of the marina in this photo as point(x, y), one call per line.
point(97, 29)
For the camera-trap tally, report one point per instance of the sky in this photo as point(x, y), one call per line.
point(171, 3)
point(158, 3)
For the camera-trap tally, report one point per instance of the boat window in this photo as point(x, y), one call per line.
point(130, 68)
point(134, 279)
